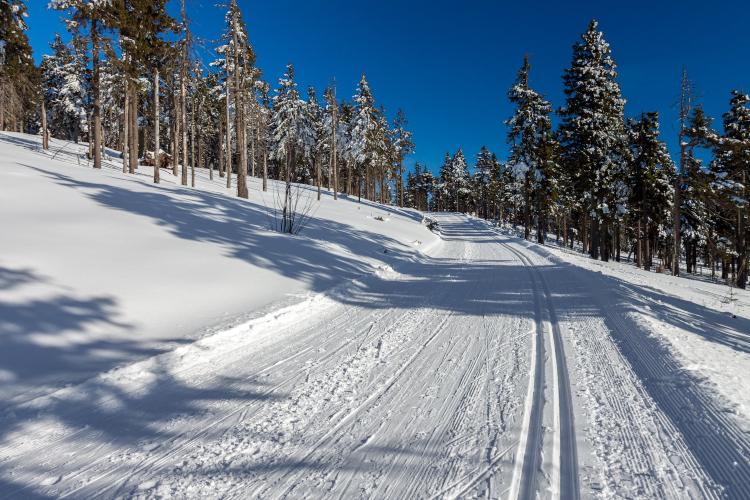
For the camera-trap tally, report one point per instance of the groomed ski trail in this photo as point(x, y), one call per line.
point(419, 382)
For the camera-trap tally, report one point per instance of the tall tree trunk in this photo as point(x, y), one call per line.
point(45, 133)
point(192, 142)
point(265, 169)
point(400, 181)
point(240, 120)
point(318, 175)
point(221, 146)
point(133, 155)
point(97, 111)
point(334, 167)
point(229, 129)
point(685, 104)
point(126, 127)
point(157, 146)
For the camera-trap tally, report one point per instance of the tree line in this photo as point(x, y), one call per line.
point(606, 182)
point(130, 79)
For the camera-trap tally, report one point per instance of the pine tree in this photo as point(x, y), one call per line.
point(314, 150)
point(363, 125)
point(533, 151)
point(291, 135)
point(482, 179)
point(334, 132)
point(65, 92)
point(593, 137)
point(732, 170)
point(651, 175)
point(404, 146)
point(460, 185)
point(18, 75)
point(94, 14)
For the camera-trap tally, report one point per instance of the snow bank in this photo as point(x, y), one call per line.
point(99, 268)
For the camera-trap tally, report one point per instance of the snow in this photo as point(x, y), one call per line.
point(161, 342)
point(104, 268)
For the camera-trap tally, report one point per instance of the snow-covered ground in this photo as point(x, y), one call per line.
point(159, 341)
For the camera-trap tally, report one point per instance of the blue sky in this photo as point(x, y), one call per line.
point(449, 64)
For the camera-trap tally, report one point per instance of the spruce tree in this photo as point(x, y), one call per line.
point(18, 75)
point(732, 170)
point(363, 125)
point(65, 92)
point(650, 176)
point(404, 144)
point(593, 139)
point(532, 151)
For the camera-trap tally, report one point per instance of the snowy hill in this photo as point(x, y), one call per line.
point(100, 268)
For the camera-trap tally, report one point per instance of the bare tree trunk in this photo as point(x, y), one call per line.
point(183, 124)
point(240, 120)
point(318, 175)
point(157, 146)
point(175, 131)
point(192, 142)
point(685, 105)
point(133, 155)
point(334, 126)
point(45, 134)
point(126, 127)
point(400, 182)
point(95, 84)
point(253, 153)
point(221, 146)
point(265, 169)
point(183, 96)
point(229, 128)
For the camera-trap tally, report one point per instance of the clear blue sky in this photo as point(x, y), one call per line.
point(449, 64)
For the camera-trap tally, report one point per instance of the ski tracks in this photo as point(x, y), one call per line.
point(562, 468)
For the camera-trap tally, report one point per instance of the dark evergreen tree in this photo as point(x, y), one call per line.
point(593, 138)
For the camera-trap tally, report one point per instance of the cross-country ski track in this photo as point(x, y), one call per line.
point(487, 368)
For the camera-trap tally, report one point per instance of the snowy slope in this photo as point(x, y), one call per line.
point(100, 268)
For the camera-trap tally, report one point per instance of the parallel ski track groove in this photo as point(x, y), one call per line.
point(569, 487)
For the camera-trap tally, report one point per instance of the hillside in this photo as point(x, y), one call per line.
point(98, 268)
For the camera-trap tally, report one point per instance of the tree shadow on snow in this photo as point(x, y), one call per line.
point(713, 436)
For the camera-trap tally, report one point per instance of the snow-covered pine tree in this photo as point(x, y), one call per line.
point(532, 151)
point(363, 125)
point(314, 114)
point(650, 176)
point(18, 75)
point(383, 159)
point(700, 215)
point(65, 92)
point(732, 169)
point(444, 196)
point(593, 138)
point(482, 179)
point(460, 180)
point(331, 138)
point(291, 135)
point(404, 146)
point(95, 15)
point(345, 116)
